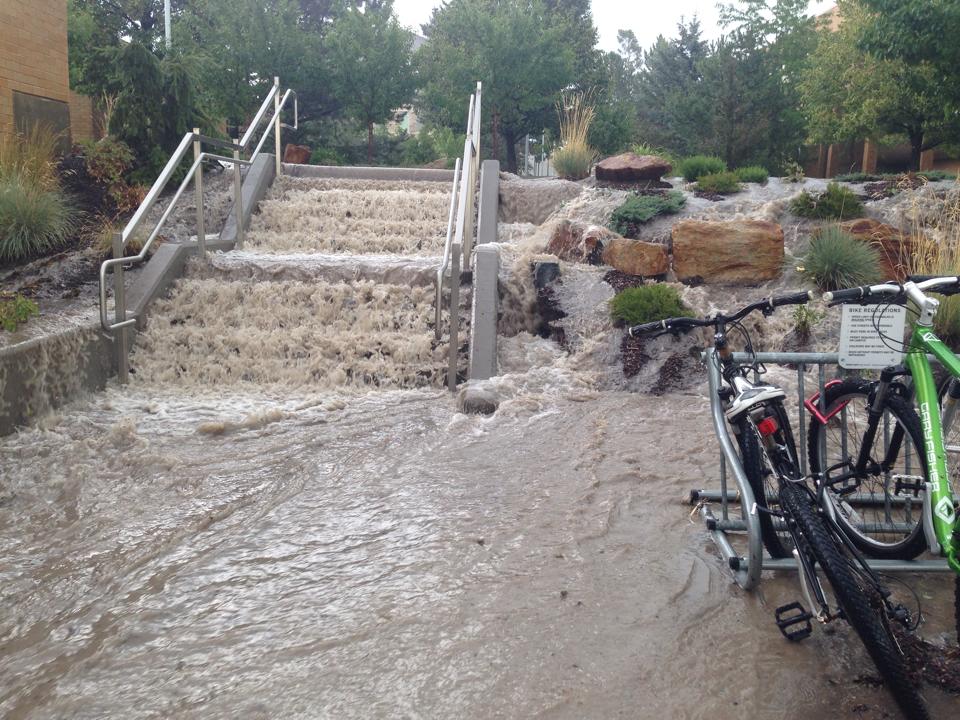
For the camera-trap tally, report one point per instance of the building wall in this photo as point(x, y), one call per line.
point(33, 62)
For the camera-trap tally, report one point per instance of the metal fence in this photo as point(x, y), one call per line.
point(735, 500)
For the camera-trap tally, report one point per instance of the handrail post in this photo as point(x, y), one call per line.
point(198, 187)
point(276, 125)
point(238, 193)
point(454, 316)
point(120, 312)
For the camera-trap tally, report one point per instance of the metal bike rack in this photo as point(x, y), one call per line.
point(747, 568)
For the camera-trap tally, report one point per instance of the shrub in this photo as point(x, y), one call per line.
point(326, 156)
point(724, 183)
point(647, 303)
point(793, 172)
point(835, 203)
point(29, 159)
point(638, 209)
point(858, 177)
point(694, 168)
point(752, 174)
point(644, 149)
point(838, 260)
point(936, 175)
point(574, 159)
point(804, 318)
point(16, 310)
point(32, 220)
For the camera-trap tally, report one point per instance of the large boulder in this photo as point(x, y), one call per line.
point(635, 257)
point(297, 154)
point(742, 252)
point(893, 245)
point(632, 168)
point(576, 242)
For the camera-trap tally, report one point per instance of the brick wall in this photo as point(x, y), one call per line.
point(85, 124)
point(33, 53)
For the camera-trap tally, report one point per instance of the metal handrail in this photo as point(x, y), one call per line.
point(194, 139)
point(459, 241)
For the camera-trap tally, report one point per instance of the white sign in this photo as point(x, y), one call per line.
point(871, 336)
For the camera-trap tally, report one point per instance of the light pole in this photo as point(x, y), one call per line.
point(166, 23)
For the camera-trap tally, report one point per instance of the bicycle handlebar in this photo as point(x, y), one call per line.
point(688, 323)
point(879, 293)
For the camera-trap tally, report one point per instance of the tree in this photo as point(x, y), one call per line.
point(848, 93)
point(514, 47)
point(371, 64)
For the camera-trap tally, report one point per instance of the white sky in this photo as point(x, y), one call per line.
point(647, 18)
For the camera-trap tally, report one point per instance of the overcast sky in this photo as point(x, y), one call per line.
point(647, 18)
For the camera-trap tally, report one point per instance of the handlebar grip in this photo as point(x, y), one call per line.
point(645, 328)
point(800, 298)
point(856, 293)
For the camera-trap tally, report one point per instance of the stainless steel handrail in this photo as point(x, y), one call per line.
point(460, 235)
point(195, 171)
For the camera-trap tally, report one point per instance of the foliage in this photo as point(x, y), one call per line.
point(574, 159)
point(647, 303)
point(29, 159)
point(937, 175)
point(644, 149)
point(371, 65)
point(431, 145)
point(520, 51)
point(108, 162)
point(804, 318)
point(752, 174)
point(935, 250)
point(695, 167)
point(723, 183)
point(858, 177)
point(16, 310)
point(835, 203)
point(32, 220)
point(639, 209)
point(849, 93)
point(613, 128)
point(861, 177)
point(326, 156)
point(793, 172)
point(838, 260)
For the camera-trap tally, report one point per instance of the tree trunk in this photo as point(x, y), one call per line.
point(510, 140)
point(916, 149)
point(369, 143)
point(495, 134)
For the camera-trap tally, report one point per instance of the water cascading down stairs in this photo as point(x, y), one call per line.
point(332, 289)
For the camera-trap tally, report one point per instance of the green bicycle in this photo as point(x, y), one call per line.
point(923, 502)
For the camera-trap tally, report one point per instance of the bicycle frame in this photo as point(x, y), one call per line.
point(944, 517)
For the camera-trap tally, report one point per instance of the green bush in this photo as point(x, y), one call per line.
point(835, 203)
point(694, 168)
point(325, 156)
point(32, 220)
point(858, 177)
point(793, 172)
point(644, 149)
point(838, 260)
point(724, 183)
point(752, 174)
point(647, 303)
point(639, 209)
point(574, 160)
point(937, 175)
point(16, 310)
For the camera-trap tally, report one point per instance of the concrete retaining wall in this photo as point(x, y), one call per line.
point(367, 173)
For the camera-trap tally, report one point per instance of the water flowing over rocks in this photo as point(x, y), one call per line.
point(636, 257)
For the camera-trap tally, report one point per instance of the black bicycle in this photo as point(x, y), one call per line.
point(795, 513)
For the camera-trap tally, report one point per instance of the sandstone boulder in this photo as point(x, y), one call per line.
point(893, 245)
point(298, 154)
point(632, 168)
point(575, 242)
point(742, 252)
point(635, 257)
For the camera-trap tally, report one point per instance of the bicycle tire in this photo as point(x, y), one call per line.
point(764, 483)
point(900, 546)
point(815, 537)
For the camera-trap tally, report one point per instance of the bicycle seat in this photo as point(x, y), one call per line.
point(750, 397)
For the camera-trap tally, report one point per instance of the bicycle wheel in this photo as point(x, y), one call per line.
point(762, 476)
point(861, 605)
point(880, 520)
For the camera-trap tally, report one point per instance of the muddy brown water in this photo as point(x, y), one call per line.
point(384, 556)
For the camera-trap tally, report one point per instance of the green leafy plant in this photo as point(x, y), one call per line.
point(752, 174)
point(574, 159)
point(30, 159)
point(326, 156)
point(639, 209)
point(695, 167)
point(837, 260)
point(108, 162)
point(804, 318)
point(936, 175)
point(645, 149)
point(647, 303)
point(32, 220)
point(835, 203)
point(724, 183)
point(16, 310)
point(858, 177)
point(793, 172)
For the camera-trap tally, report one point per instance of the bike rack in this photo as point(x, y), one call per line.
point(724, 530)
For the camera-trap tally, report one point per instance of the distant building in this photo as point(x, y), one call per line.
point(34, 75)
point(405, 119)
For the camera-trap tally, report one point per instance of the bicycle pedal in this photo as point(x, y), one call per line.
point(789, 616)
